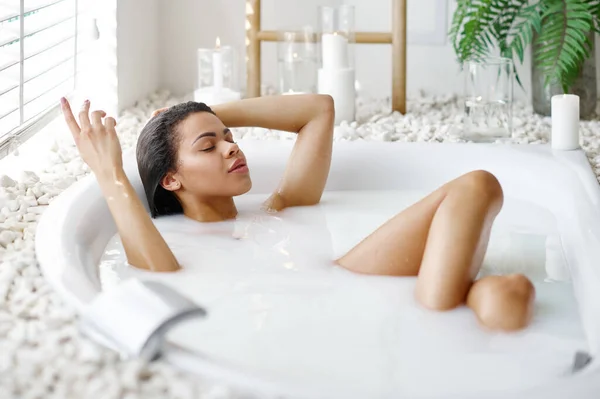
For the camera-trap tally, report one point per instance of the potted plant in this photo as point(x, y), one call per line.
point(561, 33)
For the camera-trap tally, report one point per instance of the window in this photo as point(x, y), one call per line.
point(38, 59)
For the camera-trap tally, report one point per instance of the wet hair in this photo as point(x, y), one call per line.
point(156, 155)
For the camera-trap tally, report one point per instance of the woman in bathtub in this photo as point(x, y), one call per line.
point(190, 164)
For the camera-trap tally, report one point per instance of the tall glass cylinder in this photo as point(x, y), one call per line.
point(337, 36)
point(297, 56)
point(216, 75)
point(336, 74)
point(489, 99)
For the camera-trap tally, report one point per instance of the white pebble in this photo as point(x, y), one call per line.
point(29, 178)
point(89, 352)
point(65, 182)
point(29, 200)
point(18, 333)
point(51, 190)
point(13, 205)
point(37, 209)
point(29, 217)
point(37, 190)
point(14, 225)
point(17, 244)
point(5, 196)
point(6, 181)
point(44, 199)
point(75, 169)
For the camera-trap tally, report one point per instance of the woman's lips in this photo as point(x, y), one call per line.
point(242, 168)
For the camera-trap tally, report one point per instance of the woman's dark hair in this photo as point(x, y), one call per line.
point(157, 154)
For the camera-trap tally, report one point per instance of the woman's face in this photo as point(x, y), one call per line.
point(209, 163)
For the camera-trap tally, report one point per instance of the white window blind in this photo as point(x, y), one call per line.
point(38, 60)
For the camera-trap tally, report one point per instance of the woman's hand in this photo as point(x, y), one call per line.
point(158, 111)
point(96, 141)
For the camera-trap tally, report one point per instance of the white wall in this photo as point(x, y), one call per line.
point(158, 39)
point(138, 65)
point(188, 24)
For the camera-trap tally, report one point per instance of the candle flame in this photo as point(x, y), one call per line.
point(218, 43)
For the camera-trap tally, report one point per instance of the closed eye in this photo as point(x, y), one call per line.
point(208, 149)
point(229, 136)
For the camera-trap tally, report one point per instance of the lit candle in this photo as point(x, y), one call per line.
point(218, 67)
point(334, 50)
point(565, 122)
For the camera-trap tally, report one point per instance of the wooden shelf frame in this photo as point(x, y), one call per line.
point(397, 38)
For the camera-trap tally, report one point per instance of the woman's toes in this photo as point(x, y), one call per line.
point(502, 302)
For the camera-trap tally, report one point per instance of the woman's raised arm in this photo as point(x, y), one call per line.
point(99, 147)
point(312, 117)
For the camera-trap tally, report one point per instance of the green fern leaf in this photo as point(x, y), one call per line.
point(563, 41)
point(472, 32)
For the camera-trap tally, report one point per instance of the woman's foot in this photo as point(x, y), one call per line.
point(502, 302)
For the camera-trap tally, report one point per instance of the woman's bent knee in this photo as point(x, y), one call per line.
point(484, 184)
point(503, 302)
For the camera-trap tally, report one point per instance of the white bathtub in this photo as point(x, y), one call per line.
point(404, 351)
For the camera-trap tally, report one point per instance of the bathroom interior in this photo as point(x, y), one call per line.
point(423, 92)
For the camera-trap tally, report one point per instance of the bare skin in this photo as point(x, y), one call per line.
point(442, 239)
point(302, 184)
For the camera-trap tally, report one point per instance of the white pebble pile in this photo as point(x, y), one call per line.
point(42, 353)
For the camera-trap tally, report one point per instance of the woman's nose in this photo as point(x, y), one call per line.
point(232, 149)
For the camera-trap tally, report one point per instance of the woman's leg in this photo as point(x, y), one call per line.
point(442, 239)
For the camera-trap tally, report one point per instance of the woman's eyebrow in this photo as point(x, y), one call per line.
point(212, 134)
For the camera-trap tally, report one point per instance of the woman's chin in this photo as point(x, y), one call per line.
point(243, 188)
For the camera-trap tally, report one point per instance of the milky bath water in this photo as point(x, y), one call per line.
point(279, 307)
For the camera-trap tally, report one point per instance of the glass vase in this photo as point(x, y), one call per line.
point(489, 100)
point(336, 74)
point(216, 81)
point(297, 58)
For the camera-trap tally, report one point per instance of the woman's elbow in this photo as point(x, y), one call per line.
point(326, 104)
point(170, 268)
point(160, 267)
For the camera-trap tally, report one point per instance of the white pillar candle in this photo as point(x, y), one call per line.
point(339, 84)
point(217, 67)
point(565, 122)
point(334, 49)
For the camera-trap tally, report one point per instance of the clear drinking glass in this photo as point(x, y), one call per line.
point(489, 99)
point(297, 57)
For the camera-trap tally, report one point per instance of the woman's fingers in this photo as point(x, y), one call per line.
point(84, 118)
point(110, 123)
point(97, 117)
point(158, 111)
point(69, 117)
